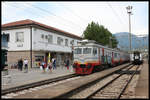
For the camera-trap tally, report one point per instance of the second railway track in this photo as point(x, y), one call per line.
point(92, 90)
point(115, 88)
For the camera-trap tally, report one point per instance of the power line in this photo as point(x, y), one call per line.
point(19, 7)
point(115, 13)
point(54, 14)
point(30, 12)
point(82, 19)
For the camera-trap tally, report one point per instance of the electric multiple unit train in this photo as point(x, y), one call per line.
point(89, 56)
point(136, 58)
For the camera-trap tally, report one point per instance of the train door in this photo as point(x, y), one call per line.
point(99, 55)
point(95, 53)
point(112, 57)
point(109, 57)
point(103, 57)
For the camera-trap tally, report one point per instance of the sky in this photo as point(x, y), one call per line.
point(74, 16)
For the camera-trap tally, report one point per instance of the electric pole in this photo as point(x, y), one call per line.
point(129, 8)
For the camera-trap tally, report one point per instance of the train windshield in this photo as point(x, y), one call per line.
point(78, 51)
point(87, 50)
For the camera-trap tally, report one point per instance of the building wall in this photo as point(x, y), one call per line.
point(14, 56)
point(42, 44)
point(37, 42)
point(18, 46)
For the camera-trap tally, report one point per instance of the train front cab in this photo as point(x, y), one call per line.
point(83, 68)
point(84, 62)
point(136, 58)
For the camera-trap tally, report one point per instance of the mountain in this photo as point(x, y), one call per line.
point(136, 42)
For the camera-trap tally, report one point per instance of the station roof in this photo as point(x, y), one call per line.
point(31, 22)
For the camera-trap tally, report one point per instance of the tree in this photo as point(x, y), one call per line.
point(97, 32)
point(114, 42)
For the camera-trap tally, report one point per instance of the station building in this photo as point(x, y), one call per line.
point(28, 39)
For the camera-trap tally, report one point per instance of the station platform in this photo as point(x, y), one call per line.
point(142, 87)
point(17, 77)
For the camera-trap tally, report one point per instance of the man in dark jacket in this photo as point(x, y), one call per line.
point(20, 64)
point(67, 64)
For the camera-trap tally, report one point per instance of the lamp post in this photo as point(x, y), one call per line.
point(129, 8)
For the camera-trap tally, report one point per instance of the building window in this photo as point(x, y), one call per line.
point(66, 42)
point(59, 40)
point(94, 51)
point(50, 39)
point(115, 55)
point(46, 37)
point(42, 36)
point(19, 37)
point(72, 42)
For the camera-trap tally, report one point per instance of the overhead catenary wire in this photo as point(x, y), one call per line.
point(116, 14)
point(22, 8)
point(44, 10)
point(70, 10)
point(30, 12)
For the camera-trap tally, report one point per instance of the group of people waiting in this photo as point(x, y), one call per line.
point(52, 65)
point(20, 65)
point(49, 66)
point(43, 66)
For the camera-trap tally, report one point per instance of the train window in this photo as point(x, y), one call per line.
point(86, 50)
point(78, 51)
point(118, 55)
point(115, 55)
point(94, 51)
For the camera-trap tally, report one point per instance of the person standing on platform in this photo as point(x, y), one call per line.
point(26, 65)
point(21, 64)
point(43, 66)
point(18, 65)
point(67, 64)
point(50, 66)
point(54, 63)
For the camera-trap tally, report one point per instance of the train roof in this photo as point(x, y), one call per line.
point(94, 43)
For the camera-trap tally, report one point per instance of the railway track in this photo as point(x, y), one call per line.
point(92, 90)
point(50, 83)
point(36, 84)
point(115, 88)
